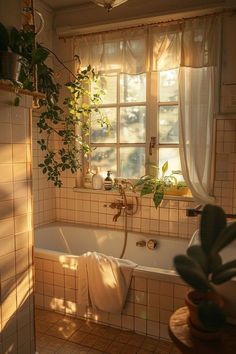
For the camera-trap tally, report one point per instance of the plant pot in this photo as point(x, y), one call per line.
point(9, 66)
point(176, 191)
point(192, 300)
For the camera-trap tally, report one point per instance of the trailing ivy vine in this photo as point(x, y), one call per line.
point(71, 124)
point(79, 113)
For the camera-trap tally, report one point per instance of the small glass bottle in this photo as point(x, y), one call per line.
point(87, 179)
point(97, 179)
point(108, 181)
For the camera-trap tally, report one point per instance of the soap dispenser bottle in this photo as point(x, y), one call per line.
point(108, 181)
point(97, 179)
point(87, 180)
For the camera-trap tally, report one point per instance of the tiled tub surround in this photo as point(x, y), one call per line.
point(154, 293)
point(16, 284)
point(92, 207)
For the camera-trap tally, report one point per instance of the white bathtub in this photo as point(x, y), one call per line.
point(156, 291)
point(75, 239)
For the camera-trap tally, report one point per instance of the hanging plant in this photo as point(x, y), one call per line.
point(70, 124)
point(80, 113)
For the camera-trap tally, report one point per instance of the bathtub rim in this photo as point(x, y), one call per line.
point(147, 235)
point(140, 271)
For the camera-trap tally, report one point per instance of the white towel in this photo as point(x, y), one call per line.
point(103, 281)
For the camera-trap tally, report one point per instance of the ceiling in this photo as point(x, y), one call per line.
point(59, 4)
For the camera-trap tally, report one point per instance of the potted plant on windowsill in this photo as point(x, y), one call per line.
point(161, 185)
point(9, 57)
point(202, 269)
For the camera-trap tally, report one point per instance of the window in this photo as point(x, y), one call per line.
point(138, 107)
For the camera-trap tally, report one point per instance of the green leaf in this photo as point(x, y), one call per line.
point(39, 55)
point(224, 273)
point(14, 40)
point(196, 252)
point(157, 197)
point(164, 167)
point(4, 38)
point(191, 273)
point(227, 236)
point(147, 189)
point(210, 315)
point(142, 180)
point(213, 221)
point(214, 261)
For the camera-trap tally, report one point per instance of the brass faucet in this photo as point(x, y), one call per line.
point(122, 203)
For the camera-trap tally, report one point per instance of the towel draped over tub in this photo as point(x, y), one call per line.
point(103, 281)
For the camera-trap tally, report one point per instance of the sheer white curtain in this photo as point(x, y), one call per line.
point(198, 78)
point(123, 51)
point(193, 47)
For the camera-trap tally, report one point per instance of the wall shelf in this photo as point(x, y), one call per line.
point(5, 85)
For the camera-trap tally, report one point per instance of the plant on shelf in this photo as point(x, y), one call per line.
point(160, 184)
point(69, 125)
point(202, 269)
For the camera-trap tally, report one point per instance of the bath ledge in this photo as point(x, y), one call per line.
point(134, 194)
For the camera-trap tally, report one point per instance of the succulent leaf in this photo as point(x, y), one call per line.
point(213, 221)
point(210, 315)
point(226, 237)
point(191, 273)
point(224, 273)
point(196, 252)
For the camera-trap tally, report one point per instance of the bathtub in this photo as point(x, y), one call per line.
point(155, 291)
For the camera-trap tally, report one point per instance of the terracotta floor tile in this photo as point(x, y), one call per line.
point(136, 340)
point(47, 316)
point(89, 340)
point(102, 344)
point(72, 348)
point(129, 349)
point(144, 351)
point(65, 335)
point(115, 348)
point(124, 336)
point(62, 330)
point(42, 326)
point(78, 337)
point(149, 344)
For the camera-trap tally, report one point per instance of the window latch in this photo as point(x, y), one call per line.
point(152, 144)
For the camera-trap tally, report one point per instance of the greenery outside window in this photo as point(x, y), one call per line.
point(139, 107)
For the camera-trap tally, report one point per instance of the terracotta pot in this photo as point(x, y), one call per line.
point(192, 299)
point(9, 66)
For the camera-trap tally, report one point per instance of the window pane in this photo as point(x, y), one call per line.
point(103, 134)
point(109, 85)
point(168, 85)
point(132, 88)
point(132, 124)
point(168, 124)
point(172, 156)
point(105, 158)
point(132, 162)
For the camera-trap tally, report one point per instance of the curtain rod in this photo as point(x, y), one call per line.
point(158, 23)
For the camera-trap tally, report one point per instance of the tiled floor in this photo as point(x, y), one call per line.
point(65, 335)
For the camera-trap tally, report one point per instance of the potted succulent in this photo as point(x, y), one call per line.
point(202, 269)
point(161, 184)
point(9, 54)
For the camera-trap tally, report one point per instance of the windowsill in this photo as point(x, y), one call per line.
point(187, 198)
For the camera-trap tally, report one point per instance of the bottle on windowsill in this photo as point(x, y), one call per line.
point(108, 181)
point(87, 179)
point(97, 180)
